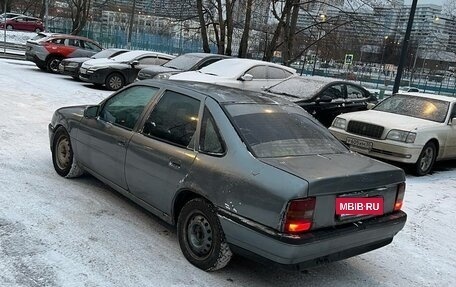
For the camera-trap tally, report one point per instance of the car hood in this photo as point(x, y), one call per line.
point(76, 60)
point(159, 69)
point(338, 173)
point(197, 76)
point(389, 120)
point(101, 62)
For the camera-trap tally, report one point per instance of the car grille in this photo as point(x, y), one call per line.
point(365, 129)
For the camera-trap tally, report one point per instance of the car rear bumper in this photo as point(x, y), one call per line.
point(384, 149)
point(316, 247)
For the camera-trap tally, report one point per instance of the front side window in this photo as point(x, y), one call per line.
point(173, 119)
point(149, 61)
point(125, 108)
point(417, 107)
point(335, 92)
point(276, 131)
point(210, 140)
point(258, 72)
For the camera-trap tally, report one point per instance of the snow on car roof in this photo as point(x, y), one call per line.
point(302, 87)
point(233, 68)
point(133, 54)
point(430, 96)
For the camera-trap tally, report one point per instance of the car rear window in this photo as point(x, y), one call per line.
point(278, 131)
point(417, 107)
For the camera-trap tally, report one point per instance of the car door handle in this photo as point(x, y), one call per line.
point(174, 163)
point(121, 142)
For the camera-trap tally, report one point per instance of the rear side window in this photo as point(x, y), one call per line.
point(274, 131)
point(91, 46)
point(210, 139)
point(174, 119)
point(258, 72)
point(276, 73)
point(354, 92)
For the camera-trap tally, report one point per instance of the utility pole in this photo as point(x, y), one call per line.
point(46, 16)
point(4, 27)
point(400, 68)
point(130, 29)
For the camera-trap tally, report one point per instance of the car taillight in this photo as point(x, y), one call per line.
point(299, 215)
point(399, 196)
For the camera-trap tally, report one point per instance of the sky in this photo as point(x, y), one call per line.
point(438, 2)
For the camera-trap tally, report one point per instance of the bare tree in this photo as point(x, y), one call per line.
point(243, 45)
point(79, 11)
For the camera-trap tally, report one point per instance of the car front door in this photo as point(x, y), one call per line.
point(160, 156)
point(259, 81)
point(450, 146)
point(103, 140)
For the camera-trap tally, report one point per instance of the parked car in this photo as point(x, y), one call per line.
point(119, 71)
point(239, 73)
point(234, 170)
point(71, 66)
point(25, 23)
point(47, 52)
point(412, 128)
point(186, 62)
point(409, 89)
point(324, 98)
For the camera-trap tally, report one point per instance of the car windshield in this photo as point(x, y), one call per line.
point(280, 131)
point(184, 62)
point(106, 54)
point(299, 87)
point(417, 107)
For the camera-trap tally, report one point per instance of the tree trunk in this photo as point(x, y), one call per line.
point(272, 46)
point(221, 22)
point(291, 34)
point(229, 25)
point(243, 45)
point(203, 29)
point(80, 17)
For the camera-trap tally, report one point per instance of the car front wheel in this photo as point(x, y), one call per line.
point(9, 27)
point(114, 82)
point(426, 159)
point(63, 158)
point(201, 237)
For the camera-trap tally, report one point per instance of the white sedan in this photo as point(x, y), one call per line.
point(413, 128)
point(239, 73)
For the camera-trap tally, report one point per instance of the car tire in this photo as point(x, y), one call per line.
point(63, 159)
point(114, 81)
point(9, 27)
point(52, 64)
point(37, 30)
point(426, 159)
point(201, 236)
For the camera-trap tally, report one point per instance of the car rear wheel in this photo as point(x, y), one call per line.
point(114, 82)
point(63, 158)
point(52, 64)
point(9, 27)
point(426, 159)
point(201, 237)
point(37, 30)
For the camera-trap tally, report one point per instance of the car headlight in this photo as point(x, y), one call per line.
point(72, 65)
point(340, 123)
point(401, 136)
point(163, 76)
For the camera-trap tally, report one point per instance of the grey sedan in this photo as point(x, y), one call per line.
point(236, 171)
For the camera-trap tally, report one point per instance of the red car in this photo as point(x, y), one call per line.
point(24, 23)
point(47, 52)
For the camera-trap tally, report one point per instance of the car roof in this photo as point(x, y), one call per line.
point(137, 53)
point(205, 55)
point(244, 64)
point(221, 94)
point(68, 36)
point(430, 96)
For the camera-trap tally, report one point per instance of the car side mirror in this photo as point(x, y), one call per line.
point(453, 121)
point(370, 106)
point(247, 77)
point(324, 99)
point(134, 63)
point(91, 112)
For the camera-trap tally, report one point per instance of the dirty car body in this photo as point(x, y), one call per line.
point(184, 141)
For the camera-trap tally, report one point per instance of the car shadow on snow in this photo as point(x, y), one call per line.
point(338, 273)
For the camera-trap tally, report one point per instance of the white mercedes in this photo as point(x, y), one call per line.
point(412, 128)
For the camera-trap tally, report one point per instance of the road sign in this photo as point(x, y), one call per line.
point(348, 59)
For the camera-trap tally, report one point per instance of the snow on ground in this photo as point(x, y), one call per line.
point(59, 232)
point(16, 37)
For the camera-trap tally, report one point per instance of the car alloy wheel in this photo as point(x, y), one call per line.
point(426, 159)
point(37, 30)
point(114, 82)
point(9, 27)
point(201, 237)
point(52, 64)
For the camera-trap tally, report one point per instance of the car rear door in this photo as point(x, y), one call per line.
point(259, 81)
point(103, 141)
point(356, 100)
point(160, 156)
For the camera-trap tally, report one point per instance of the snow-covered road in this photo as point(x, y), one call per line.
point(59, 232)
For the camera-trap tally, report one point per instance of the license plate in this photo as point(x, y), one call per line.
point(359, 143)
point(83, 70)
point(358, 206)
